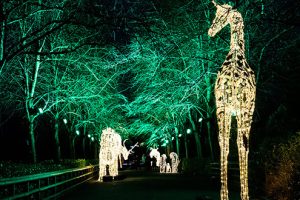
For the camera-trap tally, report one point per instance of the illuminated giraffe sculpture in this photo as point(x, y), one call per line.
point(235, 96)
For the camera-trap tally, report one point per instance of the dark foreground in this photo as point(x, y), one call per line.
point(144, 185)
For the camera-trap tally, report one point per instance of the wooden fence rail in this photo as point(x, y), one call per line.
point(46, 185)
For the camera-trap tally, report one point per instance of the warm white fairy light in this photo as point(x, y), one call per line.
point(235, 96)
point(110, 151)
point(174, 162)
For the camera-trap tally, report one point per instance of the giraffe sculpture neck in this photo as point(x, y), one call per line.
point(237, 32)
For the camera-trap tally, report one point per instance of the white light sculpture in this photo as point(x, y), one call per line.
point(174, 162)
point(168, 168)
point(126, 152)
point(155, 153)
point(110, 152)
point(235, 90)
point(163, 163)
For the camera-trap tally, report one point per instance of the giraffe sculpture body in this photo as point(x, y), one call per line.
point(235, 96)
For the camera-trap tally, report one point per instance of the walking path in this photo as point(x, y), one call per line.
point(145, 185)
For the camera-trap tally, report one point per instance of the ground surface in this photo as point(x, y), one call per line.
point(145, 185)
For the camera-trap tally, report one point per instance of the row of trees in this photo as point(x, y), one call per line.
point(145, 68)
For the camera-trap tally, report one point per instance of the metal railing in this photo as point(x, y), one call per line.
point(46, 185)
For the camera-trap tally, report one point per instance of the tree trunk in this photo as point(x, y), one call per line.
point(186, 144)
point(208, 112)
point(71, 148)
point(56, 137)
point(32, 139)
point(83, 147)
point(177, 141)
point(171, 148)
point(95, 147)
point(208, 85)
point(197, 139)
point(83, 142)
point(209, 133)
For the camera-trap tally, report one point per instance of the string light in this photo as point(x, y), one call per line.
point(235, 96)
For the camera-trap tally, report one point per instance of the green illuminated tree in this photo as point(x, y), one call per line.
point(179, 60)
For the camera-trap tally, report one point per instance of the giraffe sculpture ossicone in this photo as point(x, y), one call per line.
point(235, 96)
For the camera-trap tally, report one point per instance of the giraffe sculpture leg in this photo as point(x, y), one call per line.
point(244, 119)
point(243, 150)
point(224, 121)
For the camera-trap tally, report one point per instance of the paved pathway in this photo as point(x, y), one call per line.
point(145, 185)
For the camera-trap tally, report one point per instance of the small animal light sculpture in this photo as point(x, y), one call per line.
point(235, 96)
point(168, 168)
point(163, 163)
point(155, 153)
point(110, 152)
point(174, 162)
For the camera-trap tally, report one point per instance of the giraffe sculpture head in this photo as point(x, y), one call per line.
point(222, 18)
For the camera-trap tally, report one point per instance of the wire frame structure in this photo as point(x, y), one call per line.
point(235, 90)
